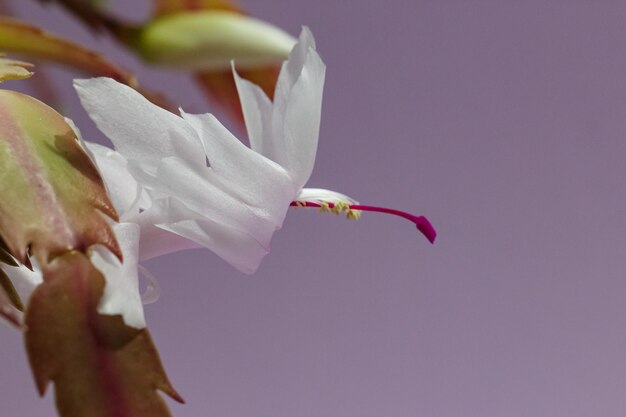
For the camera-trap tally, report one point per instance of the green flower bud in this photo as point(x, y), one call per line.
point(209, 40)
point(11, 69)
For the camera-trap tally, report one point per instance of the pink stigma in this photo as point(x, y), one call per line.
point(421, 222)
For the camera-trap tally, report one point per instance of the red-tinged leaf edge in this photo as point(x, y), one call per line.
point(100, 367)
point(53, 196)
point(10, 303)
point(5, 256)
point(9, 290)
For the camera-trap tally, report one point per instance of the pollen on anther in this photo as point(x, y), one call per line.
point(340, 207)
point(324, 207)
point(353, 212)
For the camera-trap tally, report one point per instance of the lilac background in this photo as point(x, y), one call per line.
point(504, 122)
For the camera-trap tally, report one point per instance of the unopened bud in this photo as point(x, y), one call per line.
point(209, 40)
point(11, 69)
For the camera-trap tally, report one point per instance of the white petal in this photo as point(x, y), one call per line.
point(257, 114)
point(302, 116)
point(138, 129)
point(257, 181)
point(236, 247)
point(242, 195)
point(297, 111)
point(155, 241)
point(292, 67)
point(209, 198)
point(121, 292)
point(319, 195)
point(152, 292)
point(121, 185)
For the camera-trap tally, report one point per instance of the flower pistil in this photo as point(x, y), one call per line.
point(353, 212)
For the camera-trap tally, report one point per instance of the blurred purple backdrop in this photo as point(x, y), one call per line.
point(504, 122)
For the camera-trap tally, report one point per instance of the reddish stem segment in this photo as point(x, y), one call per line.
point(421, 222)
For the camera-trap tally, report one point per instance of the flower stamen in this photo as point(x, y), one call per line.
point(324, 207)
point(353, 212)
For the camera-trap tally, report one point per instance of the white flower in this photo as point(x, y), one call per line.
point(183, 182)
point(179, 183)
point(202, 183)
point(189, 182)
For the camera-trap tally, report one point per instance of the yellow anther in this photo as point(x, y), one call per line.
point(341, 206)
point(324, 207)
point(353, 214)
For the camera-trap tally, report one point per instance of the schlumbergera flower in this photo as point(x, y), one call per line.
point(188, 182)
